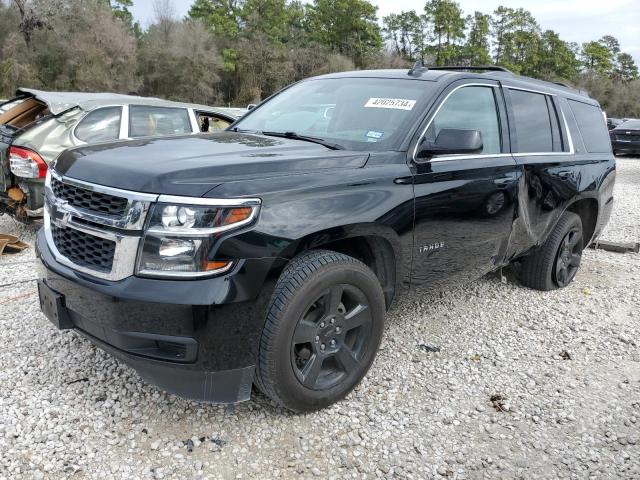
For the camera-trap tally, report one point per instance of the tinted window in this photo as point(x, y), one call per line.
point(357, 113)
point(101, 125)
point(470, 108)
point(592, 127)
point(157, 121)
point(532, 122)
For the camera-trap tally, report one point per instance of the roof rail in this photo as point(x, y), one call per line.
point(562, 84)
point(493, 68)
point(417, 68)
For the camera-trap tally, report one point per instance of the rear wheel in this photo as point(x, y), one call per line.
point(323, 329)
point(555, 263)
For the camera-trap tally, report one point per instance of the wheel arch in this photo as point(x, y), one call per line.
point(587, 209)
point(376, 246)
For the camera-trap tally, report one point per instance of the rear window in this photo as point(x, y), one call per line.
point(101, 125)
point(592, 127)
point(532, 121)
point(158, 121)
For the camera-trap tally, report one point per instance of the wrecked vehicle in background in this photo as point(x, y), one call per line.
point(36, 126)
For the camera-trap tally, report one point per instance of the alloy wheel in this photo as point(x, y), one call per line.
point(330, 339)
point(569, 257)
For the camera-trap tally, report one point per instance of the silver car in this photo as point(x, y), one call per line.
point(36, 126)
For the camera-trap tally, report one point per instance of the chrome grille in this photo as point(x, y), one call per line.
point(92, 201)
point(83, 249)
point(94, 229)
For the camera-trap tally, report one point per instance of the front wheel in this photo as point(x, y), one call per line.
point(323, 329)
point(555, 263)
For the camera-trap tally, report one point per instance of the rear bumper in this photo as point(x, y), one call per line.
point(198, 339)
point(625, 147)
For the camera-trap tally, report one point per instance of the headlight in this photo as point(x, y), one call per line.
point(179, 237)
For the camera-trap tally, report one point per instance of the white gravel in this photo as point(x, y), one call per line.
point(69, 410)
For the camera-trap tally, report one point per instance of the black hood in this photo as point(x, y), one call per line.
point(194, 164)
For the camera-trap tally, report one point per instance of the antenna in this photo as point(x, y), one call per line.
point(417, 69)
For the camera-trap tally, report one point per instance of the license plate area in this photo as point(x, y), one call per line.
point(52, 305)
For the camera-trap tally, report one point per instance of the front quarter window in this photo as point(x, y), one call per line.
point(358, 113)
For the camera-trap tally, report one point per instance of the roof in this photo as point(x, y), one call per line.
point(59, 102)
point(440, 73)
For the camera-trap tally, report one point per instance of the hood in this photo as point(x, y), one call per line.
point(194, 164)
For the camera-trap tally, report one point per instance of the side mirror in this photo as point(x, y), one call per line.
point(451, 141)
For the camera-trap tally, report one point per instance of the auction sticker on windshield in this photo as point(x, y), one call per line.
point(395, 103)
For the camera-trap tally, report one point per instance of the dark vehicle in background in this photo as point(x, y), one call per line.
point(268, 254)
point(625, 138)
point(36, 126)
point(613, 122)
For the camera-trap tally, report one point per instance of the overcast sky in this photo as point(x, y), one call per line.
point(575, 20)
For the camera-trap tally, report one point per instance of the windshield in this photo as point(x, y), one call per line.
point(356, 113)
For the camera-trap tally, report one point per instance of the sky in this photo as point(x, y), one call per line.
point(575, 20)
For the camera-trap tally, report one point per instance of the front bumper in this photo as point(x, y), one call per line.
point(195, 338)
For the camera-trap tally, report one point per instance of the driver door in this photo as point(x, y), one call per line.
point(464, 204)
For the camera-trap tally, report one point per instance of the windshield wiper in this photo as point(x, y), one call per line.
point(305, 138)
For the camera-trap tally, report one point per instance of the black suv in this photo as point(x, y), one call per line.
point(268, 254)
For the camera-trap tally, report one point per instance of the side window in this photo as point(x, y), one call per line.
point(592, 127)
point(100, 125)
point(532, 121)
point(147, 121)
point(209, 122)
point(470, 108)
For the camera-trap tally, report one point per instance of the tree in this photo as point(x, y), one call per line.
point(180, 61)
point(347, 27)
point(448, 28)
point(501, 24)
point(222, 17)
point(556, 58)
point(31, 20)
point(597, 58)
point(521, 42)
point(120, 9)
point(626, 68)
point(477, 46)
point(404, 30)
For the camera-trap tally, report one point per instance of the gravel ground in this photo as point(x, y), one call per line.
point(562, 368)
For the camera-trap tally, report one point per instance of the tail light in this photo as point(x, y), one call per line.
point(26, 163)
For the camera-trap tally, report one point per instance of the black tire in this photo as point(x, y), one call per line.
point(555, 263)
point(320, 296)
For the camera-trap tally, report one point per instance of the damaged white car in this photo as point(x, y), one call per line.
point(36, 126)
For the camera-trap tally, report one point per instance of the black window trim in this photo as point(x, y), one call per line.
point(101, 107)
point(564, 127)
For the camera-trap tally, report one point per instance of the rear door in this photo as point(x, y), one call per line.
point(554, 166)
point(464, 204)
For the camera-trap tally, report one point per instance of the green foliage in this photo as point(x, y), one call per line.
point(478, 43)
point(347, 27)
point(240, 51)
point(448, 29)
